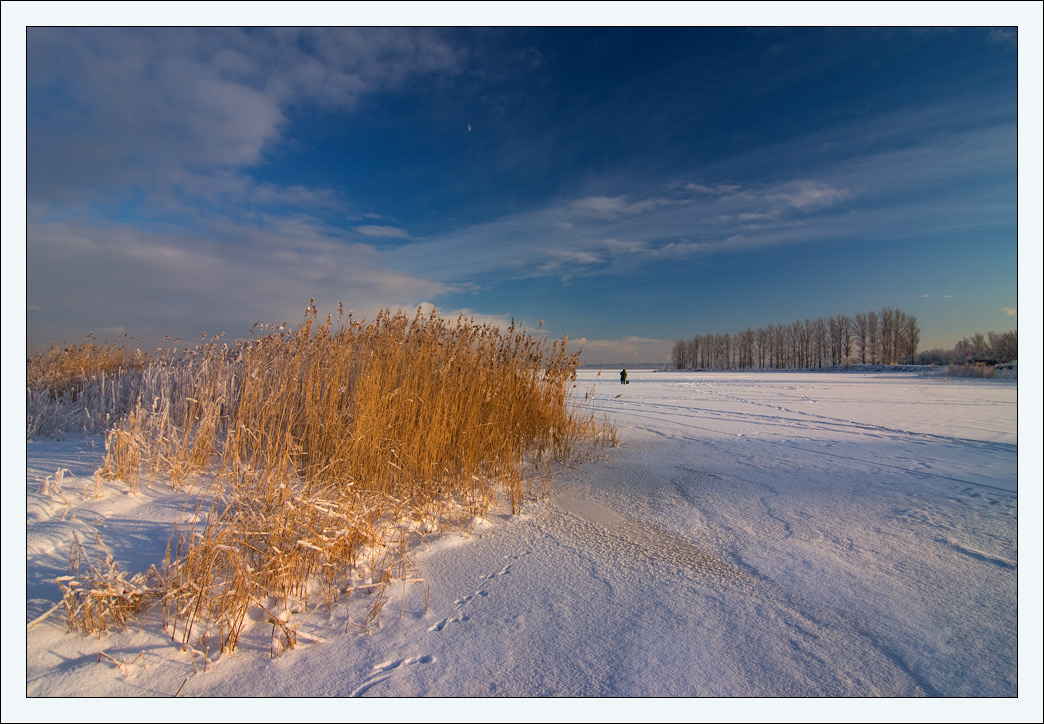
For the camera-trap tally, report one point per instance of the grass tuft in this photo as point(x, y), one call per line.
point(330, 451)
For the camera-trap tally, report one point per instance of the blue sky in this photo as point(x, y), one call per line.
point(627, 186)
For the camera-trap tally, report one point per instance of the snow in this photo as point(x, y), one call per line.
point(754, 535)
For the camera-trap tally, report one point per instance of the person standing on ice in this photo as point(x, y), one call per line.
point(623, 377)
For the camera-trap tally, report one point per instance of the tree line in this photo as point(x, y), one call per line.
point(887, 337)
point(979, 348)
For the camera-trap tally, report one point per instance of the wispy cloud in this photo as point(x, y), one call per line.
point(117, 331)
point(615, 207)
point(500, 321)
point(717, 190)
point(631, 349)
point(143, 147)
point(1011, 311)
point(383, 232)
point(867, 186)
point(202, 101)
point(809, 195)
point(1006, 37)
point(171, 280)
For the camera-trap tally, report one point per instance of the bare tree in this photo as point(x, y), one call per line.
point(886, 340)
point(872, 334)
point(1004, 345)
point(911, 338)
point(862, 335)
point(890, 336)
point(762, 341)
point(779, 346)
point(680, 355)
point(745, 348)
point(845, 326)
point(820, 341)
point(694, 353)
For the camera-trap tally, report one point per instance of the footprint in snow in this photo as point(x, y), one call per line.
point(386, 669)
point(462, 618)
point(478, 594)
point(481, 593)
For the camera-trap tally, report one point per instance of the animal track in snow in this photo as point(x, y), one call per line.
point(502, 572)
point(506, 569)
point(478, 594)
point(447, 621)
point(976, 554)
point(481, 593)
point(386, 669)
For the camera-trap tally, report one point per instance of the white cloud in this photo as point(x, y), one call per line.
point(1011, 311)
point(808, 196)
point(118, 331)
point(565, 263)
point(613, 207)
point(619, 248)
point(565, 256)
point(604, 234)
point(154, 106)
point(88, 274)
point(1003, 37)
point(500, 321)
point(716, 190)
point(625, 350)
point(384, 232)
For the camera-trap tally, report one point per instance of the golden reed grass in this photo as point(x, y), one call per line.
point(83, 386)
point(329, 451)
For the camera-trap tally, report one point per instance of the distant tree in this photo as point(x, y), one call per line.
point(809, 340)
point(996, 347)
point(745, 348)
point(762, 341)
point(679, 355)
point(911, 337)
point(889, 336)
point(979, 346)
point(862, 335)
point(873, 335)
point(937, 357)
point(779, 346)
point(835, 341)
point(796, 344)
point(820, 342)
point(1004, 345)
point(694, 352)
point(842, 334)
point(724, 351)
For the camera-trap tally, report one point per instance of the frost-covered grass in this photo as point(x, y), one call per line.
point(82, 387)
point(983, 372)
point(315, 458)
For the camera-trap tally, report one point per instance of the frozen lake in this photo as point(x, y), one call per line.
point(755, 534)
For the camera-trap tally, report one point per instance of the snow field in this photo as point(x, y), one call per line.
point(782, 535)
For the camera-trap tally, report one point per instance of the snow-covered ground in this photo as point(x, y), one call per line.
point(754, 535)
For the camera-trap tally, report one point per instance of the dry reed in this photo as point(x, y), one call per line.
point(331, 450)
point(83, 386)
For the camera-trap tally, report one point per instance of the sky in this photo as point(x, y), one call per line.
point(625, 186)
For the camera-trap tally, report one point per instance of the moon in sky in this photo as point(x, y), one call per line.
point(469, 128)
